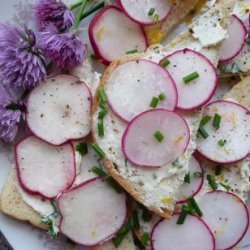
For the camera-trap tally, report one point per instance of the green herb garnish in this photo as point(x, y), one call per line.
point(154, 102)
point(102, 95)
point(98, 171)
point(165, 63)
point(197, 174)
point(187, 178)
point(218, 170)
point(203, 132)
point(82, 148)
point(222, 143)
point(159, 136)
point(216, 121)
point(132, 51)
point(100, 127)
point(151, 12)
point(205, 120)
point(227, 187)
point(135, 219)
point(212, 182)
point(98, 150)
point(114, 185)
point(156, 18)
point(145, 239)
point(162, 97)
point(102, 113)
point(191, 77)
point(146, 215)
point(195, 206)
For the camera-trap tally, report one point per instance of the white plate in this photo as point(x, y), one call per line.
point(22, 236)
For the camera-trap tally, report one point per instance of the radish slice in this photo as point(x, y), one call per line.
point(227, 217)
point(112, 35)
point(133, 84)
point(44, 169)
point(194, 234)
point(59, 110)
point(198, 92)
point(92, 212)
point(141, 146)
point(230, 143)
point(233, 45)
point(196, 182)
point(147, 12)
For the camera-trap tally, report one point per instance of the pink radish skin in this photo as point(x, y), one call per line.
point(195, 185)
point(115, 43)
point(133, 84)
point(138, 11)
point(233, 45)
point(234, 128)
point(140, 146)
point(82, 208)
point(227, 216)
point(39, 178)
point(194, 234)
point(198, 92)
point(58, 110)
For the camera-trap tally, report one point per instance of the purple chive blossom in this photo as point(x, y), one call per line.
point(21, 61)
point(53, 12)
point(10, 116)
point(66, 49)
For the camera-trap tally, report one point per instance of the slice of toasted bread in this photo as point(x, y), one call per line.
point(148, 191)
point(12, 204)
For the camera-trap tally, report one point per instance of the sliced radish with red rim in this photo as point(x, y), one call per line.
point(59, 110)
point(193, 180)
point(155, 137)
point(147, 12)
point(194, 234)
point(227, 217)
point(112, 34)
point(232, 46)
point(200, 76)
point(92, 212)
point(44, 169)
point(230, 142)
point(132, 85)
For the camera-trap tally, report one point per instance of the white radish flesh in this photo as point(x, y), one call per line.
point(196, 177)
point(227, 217)
point(59, 110)
point(92, 212)
point(133, 84)
point(230, 142)
point(147, 12)
point(141, 146)
point(235, 41)
point(112, 34)
point(44, 169)
point(198, 92)
point(194, 234)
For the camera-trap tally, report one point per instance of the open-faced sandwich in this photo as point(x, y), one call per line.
point(154, 152)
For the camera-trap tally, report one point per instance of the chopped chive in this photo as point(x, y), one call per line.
point(222, 143)
point(227, 187)
point(212, 182)
point(159, 136)
point(145, 239)
point(187, 178)
point(203, 132)
point(135, 219)
point(103, 105)
point(156, 18)
point(216, 121)
point(114, 185)
point(100, 127)
point(165, 63)
point(162, 97)
point(218, 170)
point(154, 102)
point(191, 77)
point(98, 171)
point(102, 95)
point(195, 206)
point(189, 209)
point(146, 215)
point(102, 113)
point(82, 148)
point(98, 150)
point(132, 51)
point(205, 120)
point(182, 217)
point(197, 174)
point(151, 12)
point(122, 233)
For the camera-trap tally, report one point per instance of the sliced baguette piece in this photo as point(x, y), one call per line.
point(159, 195)
point(12, 204)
